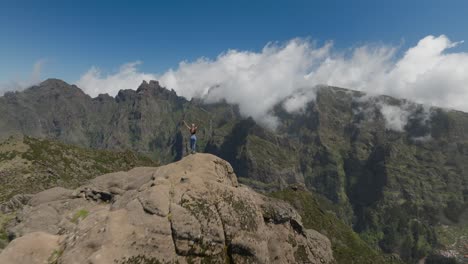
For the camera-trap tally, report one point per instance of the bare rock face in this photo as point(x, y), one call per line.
point(36, 247)
point(191, 211)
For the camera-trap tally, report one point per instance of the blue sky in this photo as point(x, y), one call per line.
point(72, 36)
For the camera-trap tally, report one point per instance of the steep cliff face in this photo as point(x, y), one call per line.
point(393, 182)
point(191, 211)
point(396, 187)
point(398, 184)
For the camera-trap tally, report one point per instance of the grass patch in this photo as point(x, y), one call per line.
point(53, 259)
point(40, 164)
point(4, 219)
point(80, 215)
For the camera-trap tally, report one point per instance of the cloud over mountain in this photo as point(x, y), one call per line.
point(427, 73)
point(20, 83)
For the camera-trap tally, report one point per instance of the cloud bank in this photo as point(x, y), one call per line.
point(427, 73)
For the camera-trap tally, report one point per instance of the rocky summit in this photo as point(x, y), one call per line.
point(190, 211)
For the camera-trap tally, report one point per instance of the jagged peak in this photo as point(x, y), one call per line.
point(104, 97)
point(153, 86)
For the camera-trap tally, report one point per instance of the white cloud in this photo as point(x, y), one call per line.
point(22, 83)
point(255, 81)
point(128, 77)
point(422, 139)
point(427, 73)
point(297, 101)
point(395, 117)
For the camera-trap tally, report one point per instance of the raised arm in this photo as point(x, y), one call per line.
point(186, 124)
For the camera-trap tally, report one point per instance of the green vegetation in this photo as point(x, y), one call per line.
point(347, 246)
point(452, 237)
point(269, 154)
point(391, 188)
point(79, 215)
point(53, 259)
point(4, 219)
point(437, 259)
point(30, 165)
point(8, 155)
point(140, 259)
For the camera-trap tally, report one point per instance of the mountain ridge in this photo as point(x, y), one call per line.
point(338, 146)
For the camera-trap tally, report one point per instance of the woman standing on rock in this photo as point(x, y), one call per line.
point(193, 138)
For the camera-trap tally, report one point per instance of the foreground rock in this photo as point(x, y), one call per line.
point(191, 211)
point(36, 247)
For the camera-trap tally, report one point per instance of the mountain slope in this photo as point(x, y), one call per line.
point(395, 179)
point(394, 187)
point(29, 165)
point(347, 246)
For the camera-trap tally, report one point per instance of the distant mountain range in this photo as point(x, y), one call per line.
point(404, 190)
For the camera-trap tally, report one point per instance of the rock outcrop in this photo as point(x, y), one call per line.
point(191, 211)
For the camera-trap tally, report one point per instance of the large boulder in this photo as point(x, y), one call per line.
point(35, 247)
point(191, 211)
